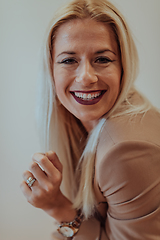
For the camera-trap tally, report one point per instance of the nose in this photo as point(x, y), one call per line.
point(86, 74)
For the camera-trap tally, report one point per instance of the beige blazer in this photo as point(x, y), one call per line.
point(127, 180)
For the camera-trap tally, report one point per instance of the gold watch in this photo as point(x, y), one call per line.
point(71, 228)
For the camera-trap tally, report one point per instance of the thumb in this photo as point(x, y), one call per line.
point(52, 156)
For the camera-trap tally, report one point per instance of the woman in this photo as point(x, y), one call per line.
point(100, 129)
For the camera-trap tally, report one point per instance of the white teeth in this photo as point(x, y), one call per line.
point(86, 96)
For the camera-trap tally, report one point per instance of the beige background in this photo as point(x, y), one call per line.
point(23, 23)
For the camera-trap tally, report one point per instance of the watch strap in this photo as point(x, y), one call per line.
point(74, 225)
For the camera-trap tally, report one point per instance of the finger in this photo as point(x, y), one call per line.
point(46, 164)
point(26, 190)
point(39, 174)
point(52, 156)
point(26, 176)
point(39, 164)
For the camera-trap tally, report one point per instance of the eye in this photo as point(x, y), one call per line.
point(68, 61)
point(103, 60)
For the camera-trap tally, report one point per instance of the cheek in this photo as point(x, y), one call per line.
point(60, 92)
point(113, 81)
point(116, 78)
point(59, 89)
point(116, 84)
point(62, 78)
point(61, 86)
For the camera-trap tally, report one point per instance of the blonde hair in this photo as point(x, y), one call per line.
point(59, 129)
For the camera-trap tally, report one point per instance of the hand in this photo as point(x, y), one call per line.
point(45, 192)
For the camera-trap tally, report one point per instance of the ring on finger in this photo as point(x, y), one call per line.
point(30, 181)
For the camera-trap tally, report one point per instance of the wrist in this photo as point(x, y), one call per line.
point(62, 209)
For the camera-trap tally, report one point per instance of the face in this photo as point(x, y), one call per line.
point(87, 69)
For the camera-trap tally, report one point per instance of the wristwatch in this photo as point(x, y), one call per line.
point(71, 228)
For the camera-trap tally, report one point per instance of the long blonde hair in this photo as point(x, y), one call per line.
point(59, 129)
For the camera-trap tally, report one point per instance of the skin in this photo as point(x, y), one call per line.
point(45, 192)
point(86, 60)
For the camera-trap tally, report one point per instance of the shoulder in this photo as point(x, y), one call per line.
point(128, 152)
point(140, 127)
point(126, 157)
point(129, 173)
point(127, 143)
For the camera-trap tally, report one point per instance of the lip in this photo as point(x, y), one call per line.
point(91, 101)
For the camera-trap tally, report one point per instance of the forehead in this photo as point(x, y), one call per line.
point(79, 31)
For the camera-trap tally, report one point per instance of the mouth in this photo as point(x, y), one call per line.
point(88, 98)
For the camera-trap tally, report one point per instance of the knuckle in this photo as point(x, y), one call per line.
point(50, 153)
point(34, 156)
point(37, 156)
point(43, 160)
point(33, 165)
point(57, 178)
point(54, 155)
point(49, 188)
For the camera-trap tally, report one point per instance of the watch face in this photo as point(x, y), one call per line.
point(66, 231)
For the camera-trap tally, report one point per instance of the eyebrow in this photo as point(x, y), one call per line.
point(105, 50)
point(98, 52)
point(66, 52)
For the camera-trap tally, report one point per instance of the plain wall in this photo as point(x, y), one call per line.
point(23, 24)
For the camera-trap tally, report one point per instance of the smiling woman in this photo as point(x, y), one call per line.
point(87, 73)
point(101, 180)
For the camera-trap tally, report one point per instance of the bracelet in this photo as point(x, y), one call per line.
point(71, 228)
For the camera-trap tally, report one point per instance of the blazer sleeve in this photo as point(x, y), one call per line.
point(129, 178)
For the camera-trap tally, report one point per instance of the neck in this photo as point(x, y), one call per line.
point(89, 125)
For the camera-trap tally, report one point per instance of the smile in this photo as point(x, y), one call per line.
point(88, 98)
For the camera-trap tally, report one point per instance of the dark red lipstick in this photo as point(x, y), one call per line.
point(88, 101)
